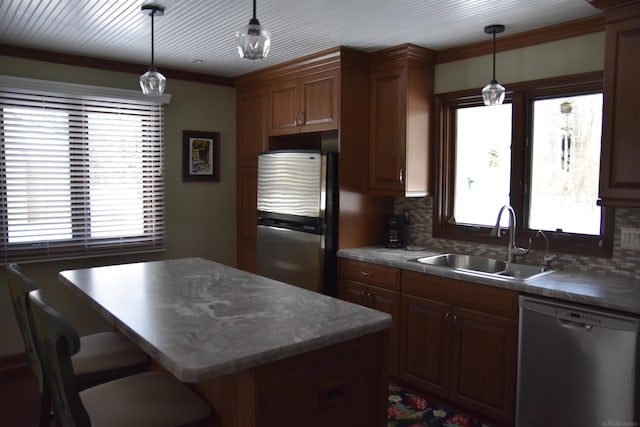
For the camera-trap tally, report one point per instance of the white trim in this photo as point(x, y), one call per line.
point(62, 88)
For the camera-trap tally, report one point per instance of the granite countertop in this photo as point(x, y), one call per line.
point(200, 319)
point(606, 291)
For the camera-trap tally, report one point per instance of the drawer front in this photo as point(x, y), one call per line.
point(488, 299)
point(373, 274)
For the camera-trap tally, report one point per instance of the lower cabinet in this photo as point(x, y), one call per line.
point(374, 286)
point(458, 341)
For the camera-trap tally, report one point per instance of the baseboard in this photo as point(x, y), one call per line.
point(14, 361)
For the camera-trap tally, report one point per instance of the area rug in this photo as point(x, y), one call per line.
point(407, 409)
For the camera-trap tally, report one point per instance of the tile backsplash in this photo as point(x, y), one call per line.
point(624, 261)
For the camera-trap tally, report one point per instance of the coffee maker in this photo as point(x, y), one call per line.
point(395, 232)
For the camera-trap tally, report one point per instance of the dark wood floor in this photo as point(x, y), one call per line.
point(19, 397)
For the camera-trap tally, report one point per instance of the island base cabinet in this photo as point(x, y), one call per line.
point(343, 385)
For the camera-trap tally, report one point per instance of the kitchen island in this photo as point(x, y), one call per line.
point(264, 353)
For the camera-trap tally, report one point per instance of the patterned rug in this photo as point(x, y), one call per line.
point(407, 409)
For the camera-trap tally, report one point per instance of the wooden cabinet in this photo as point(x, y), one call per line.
point(401, 86)
point(251, 126)
point(459, 341)
point(619, 172)
point(251, 110)
point(377, 287)
point(305, 104)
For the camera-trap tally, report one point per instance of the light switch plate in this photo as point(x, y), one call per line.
point(630, 238)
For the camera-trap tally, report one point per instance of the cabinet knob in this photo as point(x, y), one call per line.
point(401, 176)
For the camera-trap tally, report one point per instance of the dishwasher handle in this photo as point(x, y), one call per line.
point(577, 326)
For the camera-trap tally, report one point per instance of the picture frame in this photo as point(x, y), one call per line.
point(200, 155)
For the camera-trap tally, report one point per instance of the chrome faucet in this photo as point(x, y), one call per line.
point(512, 249)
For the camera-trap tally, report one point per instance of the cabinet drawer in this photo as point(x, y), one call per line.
point(373, 274)
point(488, 299)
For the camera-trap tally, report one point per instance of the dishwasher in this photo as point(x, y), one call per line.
point(577, 366)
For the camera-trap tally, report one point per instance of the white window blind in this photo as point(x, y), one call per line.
point(82, 170)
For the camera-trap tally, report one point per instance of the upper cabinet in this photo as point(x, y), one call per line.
point(251, 125)
point(619, 172)
point(305, 104)
point(401, 90)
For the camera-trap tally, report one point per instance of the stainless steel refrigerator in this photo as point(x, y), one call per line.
point(297, 208)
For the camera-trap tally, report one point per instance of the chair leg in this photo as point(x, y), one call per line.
point(45, 410)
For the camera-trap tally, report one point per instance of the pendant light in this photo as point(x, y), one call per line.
point(152, 82)
point(493, 93)
point(253, 41)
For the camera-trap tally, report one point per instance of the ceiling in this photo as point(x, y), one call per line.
point(199, 35)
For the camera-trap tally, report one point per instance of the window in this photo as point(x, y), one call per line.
point(81, 172)
point(538, 152)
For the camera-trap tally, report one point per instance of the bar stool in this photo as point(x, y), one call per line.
point(148, 399)
point(103, 356)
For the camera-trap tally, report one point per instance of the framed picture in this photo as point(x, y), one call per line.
point(200, 156)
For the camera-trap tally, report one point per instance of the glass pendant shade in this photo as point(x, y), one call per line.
point(493, 93)
point(253, 40)
point(152, 82)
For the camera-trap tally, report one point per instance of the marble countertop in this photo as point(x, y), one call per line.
point(200, 319)
point(606, 291)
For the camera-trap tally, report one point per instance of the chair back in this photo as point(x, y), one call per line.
point(55, 342)
point(19, 287)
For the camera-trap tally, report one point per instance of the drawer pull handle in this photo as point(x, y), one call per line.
point(366, 273)
point(333, 394)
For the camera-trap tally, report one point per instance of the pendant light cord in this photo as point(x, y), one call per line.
point(254, 9)
point(153, 13)
point(494, 56)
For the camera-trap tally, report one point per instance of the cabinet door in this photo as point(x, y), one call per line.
point(483, 376)
point(619, 172)
point(247, 218)
point(388, 131)
point(425, 344)
point(353, 292)
point(389, 302)
point(320, 102)
point(252, 126)
point(285, 108)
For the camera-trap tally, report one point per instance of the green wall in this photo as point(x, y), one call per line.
point(200, 216)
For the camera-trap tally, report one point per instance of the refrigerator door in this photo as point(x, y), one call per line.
point(291, 256)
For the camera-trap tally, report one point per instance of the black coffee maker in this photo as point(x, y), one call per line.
point(395, 232)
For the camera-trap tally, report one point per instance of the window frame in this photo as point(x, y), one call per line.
point(521, 96)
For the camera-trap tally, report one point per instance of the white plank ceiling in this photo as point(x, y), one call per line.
point(204, 30)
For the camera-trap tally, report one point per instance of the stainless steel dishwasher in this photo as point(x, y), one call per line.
point(577, 366)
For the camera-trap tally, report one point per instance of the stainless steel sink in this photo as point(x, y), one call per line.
point(484, 266)
point(465, 262)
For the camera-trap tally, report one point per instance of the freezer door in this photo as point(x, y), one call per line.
point(290, 256)
point(292, 183)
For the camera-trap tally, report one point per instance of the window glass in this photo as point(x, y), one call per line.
point(565, 164)
point(36, 160)
point(482, 163)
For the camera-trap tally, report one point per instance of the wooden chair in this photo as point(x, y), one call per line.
point(103, 356)
point(148, 399)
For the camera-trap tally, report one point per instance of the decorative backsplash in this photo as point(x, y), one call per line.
point(624, 261)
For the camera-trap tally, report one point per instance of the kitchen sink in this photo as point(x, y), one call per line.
point(465, 262)
point(485, 266)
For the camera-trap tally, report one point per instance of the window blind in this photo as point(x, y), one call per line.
point(81, 170)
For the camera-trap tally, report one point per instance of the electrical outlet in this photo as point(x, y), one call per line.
point(630, 238)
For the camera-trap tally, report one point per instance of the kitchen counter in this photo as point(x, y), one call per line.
point(200, 319)
point(606, 291)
